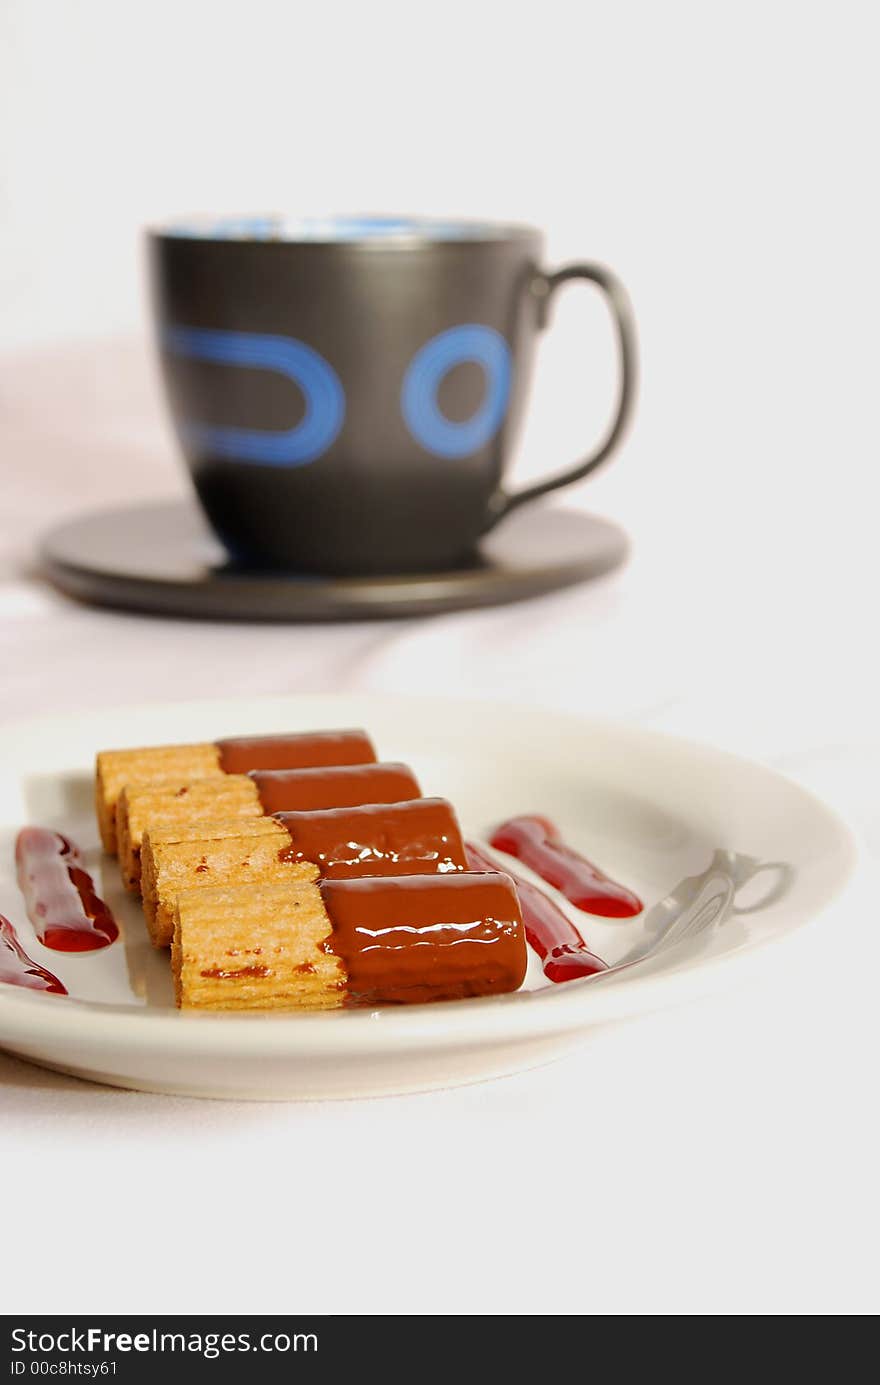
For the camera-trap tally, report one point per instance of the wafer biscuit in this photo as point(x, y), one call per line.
point(249, 796)
point(300, 945)
point(234, 852)
point(254, 949)
point(171, 763)
point(419, 836)
point(176, 805)
point(232, 755)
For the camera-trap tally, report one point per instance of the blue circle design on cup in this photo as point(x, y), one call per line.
point(425, 373)
point(320, 385)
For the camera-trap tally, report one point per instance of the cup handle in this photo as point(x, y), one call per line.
point(544, 286)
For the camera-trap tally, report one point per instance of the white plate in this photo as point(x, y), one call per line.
point(728, 856)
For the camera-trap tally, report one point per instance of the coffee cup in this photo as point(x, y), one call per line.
point(347, 392)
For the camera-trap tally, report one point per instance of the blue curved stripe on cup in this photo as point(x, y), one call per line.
point(428, 424)
point(318, 381)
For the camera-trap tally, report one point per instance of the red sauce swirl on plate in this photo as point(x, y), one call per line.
point(537, 843)
point(18, 969)
point(59, 894)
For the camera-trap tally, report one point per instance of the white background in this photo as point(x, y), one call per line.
point(719, 1159)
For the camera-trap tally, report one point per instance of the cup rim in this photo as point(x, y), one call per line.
point(350, 230)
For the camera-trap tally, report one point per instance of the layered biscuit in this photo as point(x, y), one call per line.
point(247, 796)
point(420, 836)
point(301, 945)
point(234, 755)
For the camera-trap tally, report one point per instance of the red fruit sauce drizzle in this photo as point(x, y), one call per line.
point(564, 954)
point(17, 969)
point(59, 894)
point(537, 843)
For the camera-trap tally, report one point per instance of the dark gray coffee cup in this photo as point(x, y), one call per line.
point(347, 393)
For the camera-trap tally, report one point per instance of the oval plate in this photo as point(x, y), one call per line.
point(728, 856)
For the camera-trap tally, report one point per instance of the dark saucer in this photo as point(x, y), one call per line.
point(161, 558)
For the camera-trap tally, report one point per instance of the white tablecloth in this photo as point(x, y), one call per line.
point(715, 1158)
